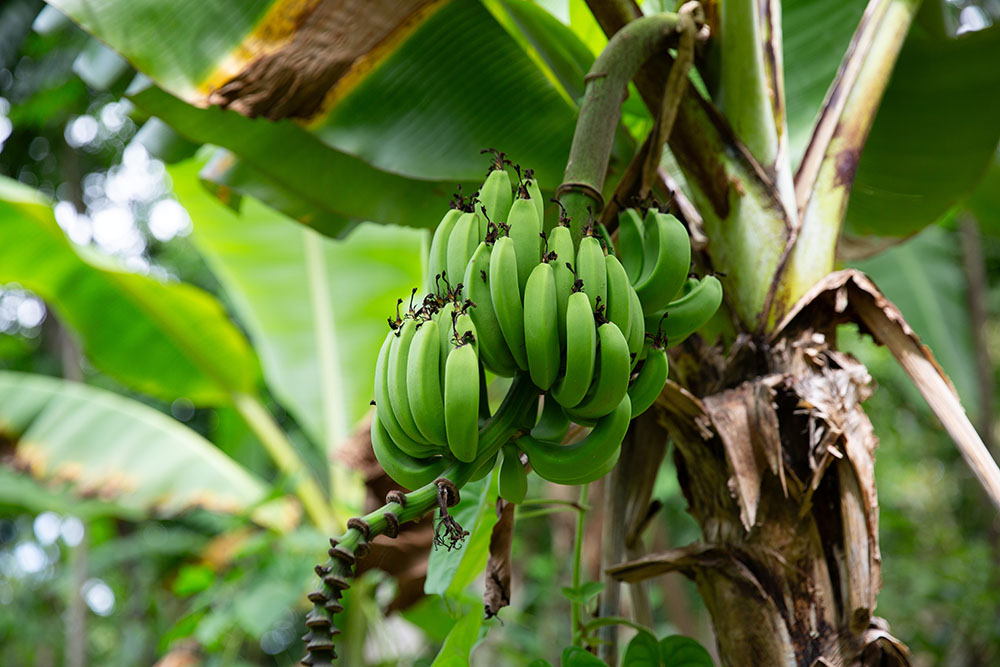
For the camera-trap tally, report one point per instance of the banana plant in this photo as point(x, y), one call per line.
point(779, 160)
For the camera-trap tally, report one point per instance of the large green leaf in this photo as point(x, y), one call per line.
point(115, 448)
point(315, 308)
point(166, 339)
point(459, 643)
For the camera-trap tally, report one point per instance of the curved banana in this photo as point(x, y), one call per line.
point(553, 424)
point(592, 270)
point(586, 460)
point(630, 243)
point(612, 376)
point(405, 470)
point(464, 331)
point(535, 195)
point(637, 329)
point(384, 407)
point(619, 305)
point(495, 198)
point(493, 348)
point(513, 480)
point(399, 353)
point(423, 382)
point(690, 312)
point(541, 329)
point(561, 243)
point(649, 382)
point(464, 239)
point(660, 282)
point(581, 347)
point(461, 402)
point(437, 260)
point(525, 228)
point(506, 296)
point(446, 322)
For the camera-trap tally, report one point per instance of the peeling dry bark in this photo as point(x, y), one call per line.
point(778, 470)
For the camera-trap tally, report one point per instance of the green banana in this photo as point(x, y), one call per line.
point(649, 382)
point(586, 460)
point(535, 195)
point(612, 375)
point(445, 319)
point(630, 243)
point(495, 198)
point(592, 270)
point(464, 239)
point(461, 402)
point(664, 275)
point(553, 424)
point(506, 298)
point(690, 312)
point(464, 330)
point(541, 330)
point(485, 469)
point(384, 407)
point(399, 354)
point(619, 305)
point(405, 470)
point(581, 347)
point(437, 260)
point(513, 480)
point(561, 243)
point(423, 382)
point(493, 348)
point(525, 228)
point(637, 329)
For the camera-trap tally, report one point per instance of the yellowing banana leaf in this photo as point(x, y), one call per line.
point(315, 308)
point(166, 339)
point(109, 447)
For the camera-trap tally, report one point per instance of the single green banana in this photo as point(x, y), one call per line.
point(649, 382)
point(660, 282)
point(464, 330)
point(513, 480)
point(495, 198)
point(553, 424)
point(586, 460)
point(612, 375)
point(592, 270)
point(405, 470)
point(399, 354)
point(463, 242)
point(437, 260)
point(506, 298)
point(461, 402)
point(619, 305)
point(493, 348)
point(445, 320)
point(561, 243)
point(637, 329)
point(525, 228)
point(688, 313)
point(535, 194)
point(581, 349)
point(384, 405)
point(630, 243)
point(423, 382)
point(541, 330)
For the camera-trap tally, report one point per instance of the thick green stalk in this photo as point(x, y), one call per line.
point(607, 83)
point(576, 608)
point(260, 421)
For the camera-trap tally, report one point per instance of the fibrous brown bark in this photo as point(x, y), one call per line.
point(777, 464)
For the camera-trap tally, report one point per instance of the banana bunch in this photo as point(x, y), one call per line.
point(502, 296)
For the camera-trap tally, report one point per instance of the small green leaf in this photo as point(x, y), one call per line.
point(460, 641)
point(642, 651)
point(574, 656)
point(681, 651)
point(587, 591)
point(192, 579)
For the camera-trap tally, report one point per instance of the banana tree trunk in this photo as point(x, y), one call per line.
point(776, 461)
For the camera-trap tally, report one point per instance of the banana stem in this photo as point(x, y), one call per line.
point(576, 608)
point(607, 83)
